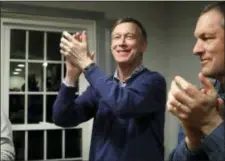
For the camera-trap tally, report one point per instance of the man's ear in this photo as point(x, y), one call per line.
point(144, 45)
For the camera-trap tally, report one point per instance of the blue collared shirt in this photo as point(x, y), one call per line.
point(135, 72)
point(220, 90)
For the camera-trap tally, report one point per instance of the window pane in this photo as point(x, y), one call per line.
point(17, 76)
point(53, 49)
point(35, 145)
point(19, 142)
point(17, 44)
point(50, 99)
point(54, 144)
point(35, 108)
point(16, 109)
point(73, 143)
point(36, 45)
point(53, 77)
point(35, 77)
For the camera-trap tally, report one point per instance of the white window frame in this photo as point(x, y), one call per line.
point(10, 20)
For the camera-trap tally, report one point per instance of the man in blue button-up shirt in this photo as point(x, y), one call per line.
point(201, 136)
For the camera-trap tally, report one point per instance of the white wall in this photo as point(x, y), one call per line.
point(170, 27)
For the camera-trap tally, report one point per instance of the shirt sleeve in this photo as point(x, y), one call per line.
point(182, 153)
point(213, 144)
point(70, 111)
point(7, 146)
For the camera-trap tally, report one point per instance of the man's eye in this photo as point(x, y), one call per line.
point(130, 37)
point(116, 37)
point(207, 38)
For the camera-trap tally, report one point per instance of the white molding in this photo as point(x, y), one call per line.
point(44, 25)
point(34, 18)
point(41, 126)
point(4, 68)
point(1, 66)
point(69, 159)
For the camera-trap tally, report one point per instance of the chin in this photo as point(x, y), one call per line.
point(122, 61)
point(208, 73)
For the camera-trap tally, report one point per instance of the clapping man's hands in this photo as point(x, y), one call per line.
point(75, 49)
point(196, 109)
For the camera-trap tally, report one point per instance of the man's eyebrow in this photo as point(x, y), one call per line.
point(131, 33)
point(115, 34)
point(203, 34)
point(128, 33)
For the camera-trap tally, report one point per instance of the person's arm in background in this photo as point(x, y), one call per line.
point(7, 146)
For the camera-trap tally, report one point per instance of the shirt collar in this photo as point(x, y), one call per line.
point(219, 89)
point(136, 71)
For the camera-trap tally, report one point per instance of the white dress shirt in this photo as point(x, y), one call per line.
point(7, 146)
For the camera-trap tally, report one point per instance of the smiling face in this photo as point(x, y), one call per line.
point(210, 44)
point(127, 44)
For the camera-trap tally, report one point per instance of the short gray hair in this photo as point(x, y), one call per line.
point(219, 6)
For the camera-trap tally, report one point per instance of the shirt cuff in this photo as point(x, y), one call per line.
point(183, 153)
point(67, 84)
point(191, 153)
point(89, 67)
point(214, 141)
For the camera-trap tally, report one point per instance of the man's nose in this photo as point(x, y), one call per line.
point(122, 41)
point(198, 48)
